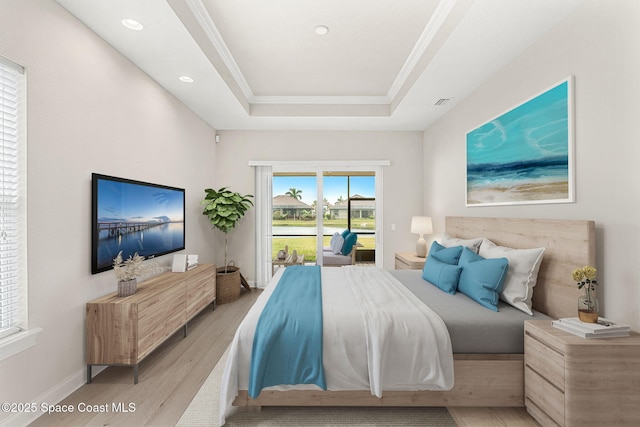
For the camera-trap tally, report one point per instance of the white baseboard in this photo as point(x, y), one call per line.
point(52, 396)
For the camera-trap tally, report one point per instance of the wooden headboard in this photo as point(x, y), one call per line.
point(569, 244)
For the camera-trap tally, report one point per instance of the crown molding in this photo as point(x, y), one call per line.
point(203, 18)
point(260, 102)
point(321, 100)
point(201, 14)
point(440, 15)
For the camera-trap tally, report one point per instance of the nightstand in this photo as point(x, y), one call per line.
point(573, 381)
point(409, 261)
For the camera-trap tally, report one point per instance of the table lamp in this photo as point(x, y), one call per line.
point(421, 225)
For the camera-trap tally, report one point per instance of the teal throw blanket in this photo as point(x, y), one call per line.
point(287, 346)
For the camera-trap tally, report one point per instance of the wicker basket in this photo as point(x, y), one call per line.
point(228, 285)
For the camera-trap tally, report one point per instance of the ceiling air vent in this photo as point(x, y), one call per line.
point(442, 101)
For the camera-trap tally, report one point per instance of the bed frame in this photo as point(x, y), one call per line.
point(488, 380)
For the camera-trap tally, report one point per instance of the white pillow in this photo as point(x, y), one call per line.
point(448, 241)
point(336, 243)
point(333, 239)
point(522, 273)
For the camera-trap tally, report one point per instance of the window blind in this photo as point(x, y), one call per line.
point(12, 282)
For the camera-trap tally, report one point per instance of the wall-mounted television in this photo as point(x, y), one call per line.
point(134, 216)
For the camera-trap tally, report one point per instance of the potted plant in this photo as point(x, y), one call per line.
point(225, 208)
point(127, 273)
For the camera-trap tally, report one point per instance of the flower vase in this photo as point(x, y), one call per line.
point(127, 287)
point(588, 307)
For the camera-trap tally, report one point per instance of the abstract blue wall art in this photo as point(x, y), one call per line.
point(525, 155)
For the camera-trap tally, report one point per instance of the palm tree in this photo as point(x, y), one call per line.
point(295, 193)
point(340, 199)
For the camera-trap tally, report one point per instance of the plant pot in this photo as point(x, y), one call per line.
point(228, 284)
point(127, 287)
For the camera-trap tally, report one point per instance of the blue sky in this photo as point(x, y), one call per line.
point(334, 186)
point(534, 130)
point(133, 202)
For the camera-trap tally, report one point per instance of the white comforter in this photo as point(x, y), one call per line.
point(377, 336)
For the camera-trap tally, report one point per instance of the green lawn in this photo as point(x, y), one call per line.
point(307, 245)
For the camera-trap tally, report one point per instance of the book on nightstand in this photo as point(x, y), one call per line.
point(604, 328)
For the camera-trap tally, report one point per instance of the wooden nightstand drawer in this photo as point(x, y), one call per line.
point(539, 415)
point(599, 378)
point(544, 360)
point(544, 395)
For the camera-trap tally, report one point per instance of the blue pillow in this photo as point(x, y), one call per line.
point(447, 255)
point(444, 275)
point(481, 279)
point(345, 233)
point(349, 241)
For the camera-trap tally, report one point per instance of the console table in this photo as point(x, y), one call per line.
point(124, 330)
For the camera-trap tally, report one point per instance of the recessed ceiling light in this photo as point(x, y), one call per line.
point(132, 24)
point(186, 79)
point(321, 30)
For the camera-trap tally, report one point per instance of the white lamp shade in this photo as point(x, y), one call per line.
point(421, 225)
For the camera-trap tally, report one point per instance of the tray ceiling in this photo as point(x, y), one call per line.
point(383, 65)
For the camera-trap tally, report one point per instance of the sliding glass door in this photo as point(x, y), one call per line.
point(348, 202)
point(294, 208)
point(347, 194)
point(351, 204)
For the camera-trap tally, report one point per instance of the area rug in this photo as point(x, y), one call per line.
point(203, 411)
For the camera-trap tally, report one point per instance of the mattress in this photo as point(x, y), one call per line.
point(400, 344)
point(473, 328)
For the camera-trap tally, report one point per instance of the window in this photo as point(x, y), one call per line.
point(14, 334)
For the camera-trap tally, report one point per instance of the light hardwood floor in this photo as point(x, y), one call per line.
point(172, 375)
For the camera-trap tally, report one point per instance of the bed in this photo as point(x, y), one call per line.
point(490, 377)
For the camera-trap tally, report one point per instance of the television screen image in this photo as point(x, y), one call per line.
point(133, 216)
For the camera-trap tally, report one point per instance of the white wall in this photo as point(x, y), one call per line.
point(89, 110)
point(599, 45)
point(402, 179)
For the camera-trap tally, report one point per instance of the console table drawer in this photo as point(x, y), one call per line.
point(164, 330)
point(153, 312)
point(201, 291)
